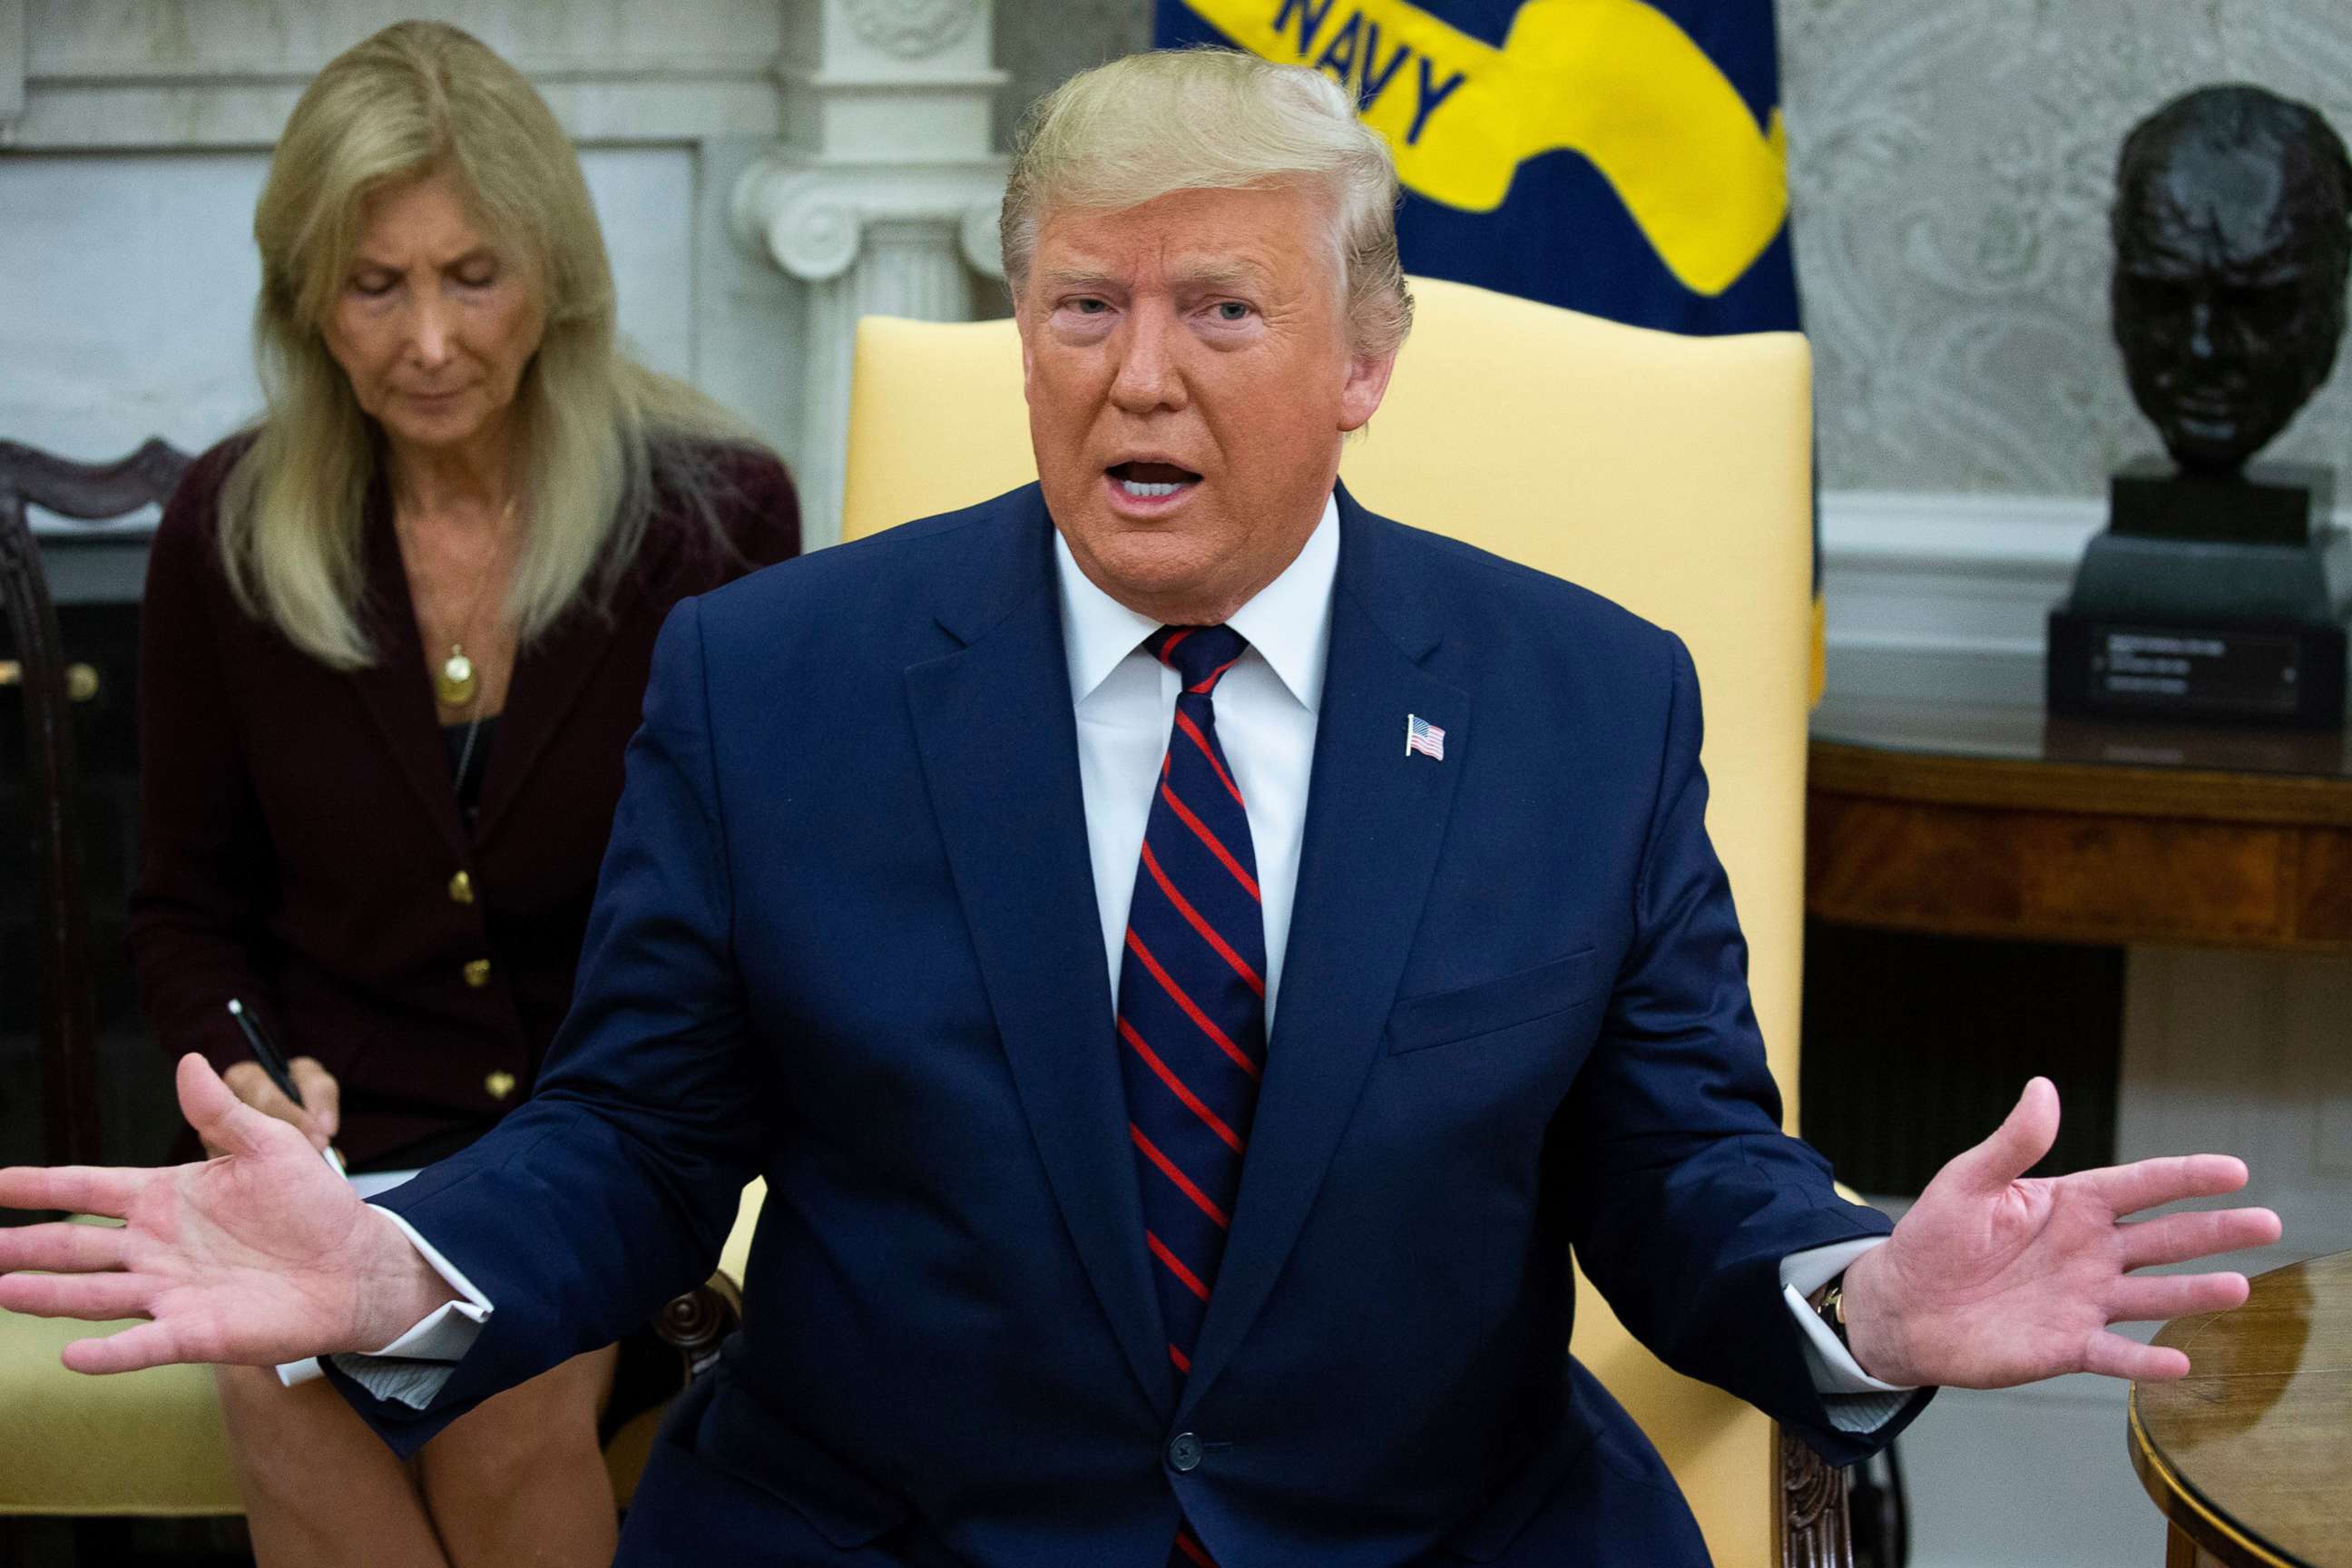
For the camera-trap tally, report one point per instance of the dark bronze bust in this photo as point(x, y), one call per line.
point(2233, 228)
point(2220, 590)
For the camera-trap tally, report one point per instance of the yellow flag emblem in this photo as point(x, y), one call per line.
point(1614, 81)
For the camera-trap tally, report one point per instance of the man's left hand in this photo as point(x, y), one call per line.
point(1993, 1280)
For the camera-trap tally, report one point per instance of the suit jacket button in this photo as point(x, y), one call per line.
point(477, 972)
point(1184, 1453)
point(461, 889)
point(499, 1085)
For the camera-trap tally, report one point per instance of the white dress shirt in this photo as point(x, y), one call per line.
point(1266, 706)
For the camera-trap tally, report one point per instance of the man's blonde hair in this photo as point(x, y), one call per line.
point(416, 100)
point(1213, 120)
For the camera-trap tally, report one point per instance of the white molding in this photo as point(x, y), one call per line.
point(136, 524)
point(11, 70)
point(1997, 535)
point(1947, 596)
point(233, 115)
point(811, 216)
point(913, 82)
point(541, 67)
point(245, 110)
point(1944, 596)
point(223, 76)
point(911, 29)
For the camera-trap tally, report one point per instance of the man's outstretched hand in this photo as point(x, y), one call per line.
point(1993, 1280)
point(259, 1256)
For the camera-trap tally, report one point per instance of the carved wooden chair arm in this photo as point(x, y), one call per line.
point(695, 1323)
point(1815, 1530)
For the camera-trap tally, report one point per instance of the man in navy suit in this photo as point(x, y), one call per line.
point(1191, 960)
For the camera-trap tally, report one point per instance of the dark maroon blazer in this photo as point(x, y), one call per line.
point(300, 839)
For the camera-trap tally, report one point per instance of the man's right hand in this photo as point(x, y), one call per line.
point(318, 1118)
point(260, 1255)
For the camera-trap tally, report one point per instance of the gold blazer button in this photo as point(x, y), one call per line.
point(461, 889)
point(499, 1085)
point(477, 972)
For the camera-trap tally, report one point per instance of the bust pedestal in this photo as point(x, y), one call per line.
point(2209, 598)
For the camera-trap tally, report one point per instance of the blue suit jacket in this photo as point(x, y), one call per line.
point(845, 937)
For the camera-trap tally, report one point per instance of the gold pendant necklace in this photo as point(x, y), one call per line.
point(455, 685)
point(456, 682)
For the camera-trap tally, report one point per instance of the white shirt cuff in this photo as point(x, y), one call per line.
point(1857, 1400)
point(412, 1368)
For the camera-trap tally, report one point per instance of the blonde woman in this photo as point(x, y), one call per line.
point(395, 640)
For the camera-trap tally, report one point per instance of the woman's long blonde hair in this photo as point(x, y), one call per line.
point(599, 432)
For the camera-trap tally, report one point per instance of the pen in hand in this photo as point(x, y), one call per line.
point(275, 1065)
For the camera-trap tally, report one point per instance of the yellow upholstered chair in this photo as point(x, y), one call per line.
point(1668, 473)
point(149, 1444)
point(145, 1444)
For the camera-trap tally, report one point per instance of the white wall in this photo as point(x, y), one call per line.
point(140, 137)
point(134, 134)
point(129, 282)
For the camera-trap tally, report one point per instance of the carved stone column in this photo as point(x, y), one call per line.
point(892, 208)
point(871, 239)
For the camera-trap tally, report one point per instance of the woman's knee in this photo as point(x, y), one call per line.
point(283, 1436)
point(517, 1439)
point(318, 1486)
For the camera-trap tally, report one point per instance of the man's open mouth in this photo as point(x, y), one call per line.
point(1148, 482)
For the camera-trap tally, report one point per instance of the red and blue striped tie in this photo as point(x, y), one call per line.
point(1191, 1001)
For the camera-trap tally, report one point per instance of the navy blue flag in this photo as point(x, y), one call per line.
point(1616, 157)
point(1624, 158)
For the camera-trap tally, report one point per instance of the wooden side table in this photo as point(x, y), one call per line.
point(2249, 1456)
point(2005, 823)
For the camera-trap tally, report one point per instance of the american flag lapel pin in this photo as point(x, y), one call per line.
point(1421, 736)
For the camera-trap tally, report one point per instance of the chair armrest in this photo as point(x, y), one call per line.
point(689, 1328)
point(1815, 1531)
point(694, 1324)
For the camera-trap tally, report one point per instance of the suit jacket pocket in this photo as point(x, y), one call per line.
point(1468, 1011)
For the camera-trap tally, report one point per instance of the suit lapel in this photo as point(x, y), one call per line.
point(999, 745)
point(549, 676)
point(1375, 818)
point(393, 691)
